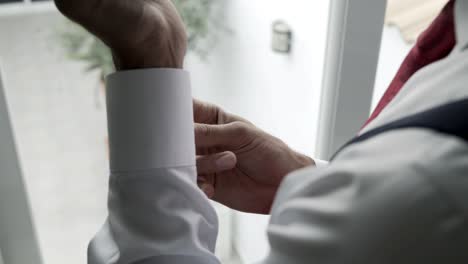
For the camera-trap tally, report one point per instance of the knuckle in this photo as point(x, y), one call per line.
point(204, 131)
point(210, 113)
point(205, 165)
point(241, 128)
point(201, 161)
point(213, 111)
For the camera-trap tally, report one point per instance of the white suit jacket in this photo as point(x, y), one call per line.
point(397, 196)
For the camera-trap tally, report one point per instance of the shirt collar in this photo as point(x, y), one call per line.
point(461, 23)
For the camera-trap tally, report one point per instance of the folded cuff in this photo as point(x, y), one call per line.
point(150, 120)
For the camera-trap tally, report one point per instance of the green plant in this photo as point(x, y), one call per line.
point(204, 23)
point(202, 18)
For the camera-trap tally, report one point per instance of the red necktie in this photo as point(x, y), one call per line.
point(434, 44)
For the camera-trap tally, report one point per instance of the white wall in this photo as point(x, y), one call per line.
point(279, 93)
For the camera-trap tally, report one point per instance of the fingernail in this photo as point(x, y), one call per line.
point(201, 179)
point(208, 190)
point(226, 162)
point(205, 188)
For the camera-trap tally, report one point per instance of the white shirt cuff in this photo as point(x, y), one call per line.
point(320, 163)
point(150, 120)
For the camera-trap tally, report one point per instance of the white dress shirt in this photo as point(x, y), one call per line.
point(400, 197)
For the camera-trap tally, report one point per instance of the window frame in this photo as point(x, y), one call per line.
point(354, 40)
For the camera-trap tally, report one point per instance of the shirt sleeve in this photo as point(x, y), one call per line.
point(374, 204)
point(156, 212)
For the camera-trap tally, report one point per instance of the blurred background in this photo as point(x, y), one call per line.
point(261, 59)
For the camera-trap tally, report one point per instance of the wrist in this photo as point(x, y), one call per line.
point(136, 62)
point(170, 54)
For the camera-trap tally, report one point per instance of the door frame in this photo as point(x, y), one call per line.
point(18, 239)
point(352, 55)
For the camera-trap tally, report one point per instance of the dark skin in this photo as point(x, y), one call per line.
point(238, 164)
point(255, 163)
point(140, 33)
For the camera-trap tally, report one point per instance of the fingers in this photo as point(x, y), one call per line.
point(207, 188)
point(232, 135)
point(210, 165)
point(216, 163)
point(205, 113)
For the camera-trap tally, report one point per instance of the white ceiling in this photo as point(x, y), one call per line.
point(412, 17)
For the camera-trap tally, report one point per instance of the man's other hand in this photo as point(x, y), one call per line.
point(140, 33)
point(238, 164)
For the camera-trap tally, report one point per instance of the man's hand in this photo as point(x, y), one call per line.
point(239, 165)
point(140, 33)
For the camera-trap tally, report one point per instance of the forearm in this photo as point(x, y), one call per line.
point(156, 212)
